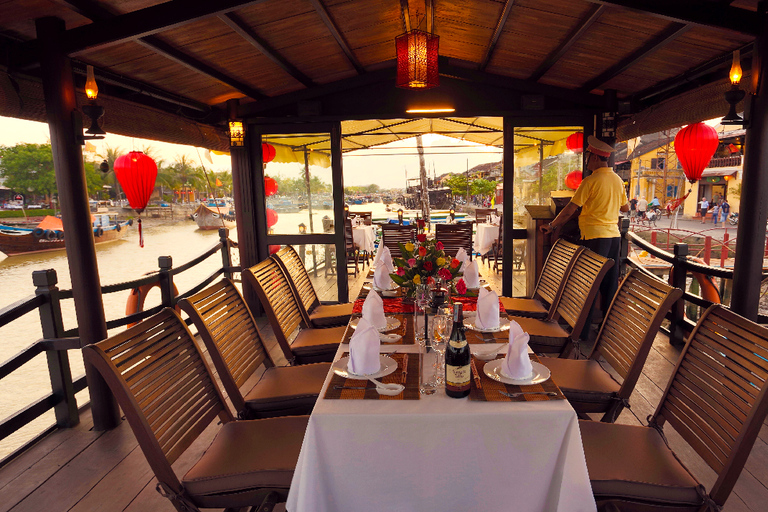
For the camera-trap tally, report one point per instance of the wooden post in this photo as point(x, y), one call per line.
point(508, 179)
point(707, 249)
point(62, 113)
point(168, 299)
point(676, 333)
point(624, 249)
point(337, 182)
point(58, 360)
point(724, 250)
point(226, 257)
point(654, 238)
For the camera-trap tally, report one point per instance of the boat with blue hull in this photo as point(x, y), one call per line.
point(48, 235)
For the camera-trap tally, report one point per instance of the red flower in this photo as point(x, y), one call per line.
point(439, 246)
point(444, 273)
point(422, 251)
point(421, 223)
point(461, 287)
point(400, 271)
point(421, 238)
point(430, 280)
point(455, 263)
point(428, 266)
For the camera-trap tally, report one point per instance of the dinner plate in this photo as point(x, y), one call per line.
point(503, 325)
point(392, 323)
point(388, 365)
point(389, 338)
point(382, 290)
point(493, 369)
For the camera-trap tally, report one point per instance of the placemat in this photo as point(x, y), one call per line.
point(484, 388)
point(477, 337)
point(341, 388)
point(405, 330)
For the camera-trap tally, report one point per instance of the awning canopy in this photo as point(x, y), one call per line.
point(720, 171)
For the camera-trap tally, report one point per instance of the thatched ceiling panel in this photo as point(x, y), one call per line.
point(631, 22)
point(375, 53)
point(18, 18)
point(718, 41)
point(318, 58)
point(271, 11)
point(290, 31)
point(572, 8)
point(112, 57)
point(372, 16)
point(198, 33)
point(513, 60)
point(478, 13)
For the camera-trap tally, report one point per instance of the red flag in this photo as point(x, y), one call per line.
point(219, 183)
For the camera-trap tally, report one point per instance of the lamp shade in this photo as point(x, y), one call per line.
point(573, 179)
point(267, 152)
point(417, 60)
point(575, 142)
point(270, 186)
point(136, 173)
point(694, 145)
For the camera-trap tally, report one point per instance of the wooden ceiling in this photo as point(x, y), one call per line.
point(188, 57)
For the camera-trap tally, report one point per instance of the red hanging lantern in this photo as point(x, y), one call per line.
point(271, 217)
point(695, 145)
point(270, 186)
point(417, 53)
point(267, 152)
point(274, 249)
point(573, 179)
point(575, 142)
point(136, 173)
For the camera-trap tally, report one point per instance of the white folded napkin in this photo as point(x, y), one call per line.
point(377, 258)
point(471, 275)
point(517, 364)
point(364, 349)
point(386, 259)
point(381, 279)
point(487, 310)
point(461, 255)
point(373, 310)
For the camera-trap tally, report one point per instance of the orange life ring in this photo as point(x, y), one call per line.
point(135, 302)
point(709, 291)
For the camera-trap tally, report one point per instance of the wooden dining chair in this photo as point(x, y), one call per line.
point(164, 387)
point(455, 237)
point(300, 344)
point(234, 344)
point(394, 234)
point(497, 247)
point(481, 214)
point(624, 340)
point(543, 303)
point(572, 309)
point(313, 312)
point(715, 401)
point(351, 250)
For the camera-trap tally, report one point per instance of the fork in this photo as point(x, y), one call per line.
point(516, 395)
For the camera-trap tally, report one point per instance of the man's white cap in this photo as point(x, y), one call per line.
point(598, 147)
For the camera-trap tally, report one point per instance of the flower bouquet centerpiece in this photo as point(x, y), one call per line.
point(423, 262)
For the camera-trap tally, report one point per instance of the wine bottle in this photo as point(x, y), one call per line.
point(457, 369)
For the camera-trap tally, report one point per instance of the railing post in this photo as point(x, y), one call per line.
point(707, 249)
point(624, 249)
point(679, 274)
point(58, 360)
point(166, 281)
point(226, 256)
point(724, 250)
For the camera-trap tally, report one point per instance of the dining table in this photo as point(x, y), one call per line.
point(412, 452)
point(364, 238)
point(486, 234)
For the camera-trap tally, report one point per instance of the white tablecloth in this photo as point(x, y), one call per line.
point(364, 237)
point(439, 453)
point(486, 234)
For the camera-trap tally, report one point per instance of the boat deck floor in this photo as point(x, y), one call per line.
point(79, 469)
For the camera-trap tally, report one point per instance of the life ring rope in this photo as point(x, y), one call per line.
point(135, 302)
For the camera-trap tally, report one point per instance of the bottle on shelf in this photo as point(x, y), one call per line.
point(457, 358)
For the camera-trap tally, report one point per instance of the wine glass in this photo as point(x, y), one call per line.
point(440, 335)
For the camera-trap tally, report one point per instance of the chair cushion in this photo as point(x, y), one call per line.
point(545, 336)
point(634, 463)
point(316, 345)
point(531, 308)
point(246, 455)
point(327, 315)
point(584, 383)
point(286, 390)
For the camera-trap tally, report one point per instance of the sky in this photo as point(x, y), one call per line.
point(387, 165)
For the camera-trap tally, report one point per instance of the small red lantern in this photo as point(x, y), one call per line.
point(695, 145)
point(267, 152)
point(573, 179)
point(417, 60)
point(274, 248)
point(271, 217)
point(136, 173)
point(270, 186)
point(575, 142)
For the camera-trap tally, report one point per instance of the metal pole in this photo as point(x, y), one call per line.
point(541, 171)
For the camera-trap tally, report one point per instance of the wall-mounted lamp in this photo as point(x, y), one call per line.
point(452, 212)
point(91, 109)
point(734, 95)
point(302, 229)
point(400, 216)
point(346, 210)
point(236, 134)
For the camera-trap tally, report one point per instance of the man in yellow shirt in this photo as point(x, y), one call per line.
point(601, 197)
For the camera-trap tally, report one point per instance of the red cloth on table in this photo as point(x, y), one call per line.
point(396, 305)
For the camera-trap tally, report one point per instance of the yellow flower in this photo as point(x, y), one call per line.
point(440, 262)
point(417, 279)
point(409, 247)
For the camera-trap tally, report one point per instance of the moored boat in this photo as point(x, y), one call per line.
point(48, 235)
point(212, 218)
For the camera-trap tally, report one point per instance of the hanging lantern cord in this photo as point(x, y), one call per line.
point(141, 235)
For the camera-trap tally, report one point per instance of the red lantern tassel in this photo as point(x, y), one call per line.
point(141, 235)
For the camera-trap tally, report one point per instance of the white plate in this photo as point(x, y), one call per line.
point(392, 323)
point(493, 370)
point(388, 365)
point(503, 325)
point(382, 290)
point(389, 338)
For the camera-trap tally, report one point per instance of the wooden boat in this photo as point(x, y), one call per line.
point(48, 235)
point(212, 218)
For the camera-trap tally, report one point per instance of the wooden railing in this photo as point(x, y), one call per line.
point(56, 341)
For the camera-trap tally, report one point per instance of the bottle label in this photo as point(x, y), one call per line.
point(457, 343)
point(457, 377)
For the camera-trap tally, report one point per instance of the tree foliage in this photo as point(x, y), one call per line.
point(482, 187)
point(457, 183)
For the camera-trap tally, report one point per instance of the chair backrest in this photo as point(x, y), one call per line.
point(230, 334)
point(561, 258)
point(580, 289)
point(454, 236)
point(394, 234)
point(349, 240)
point(163, 385)
point(277, 297)
point(631, 324)
point(716, 399)
point(289, 259)
point(481, 214)
point(366, 216)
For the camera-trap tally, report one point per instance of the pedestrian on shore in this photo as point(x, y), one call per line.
point(633, 209)
point(642, 206)
point(703, 209)
point(715, 214)
point(725, 210)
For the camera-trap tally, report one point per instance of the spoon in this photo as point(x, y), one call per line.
point(490, 355)
point(387, 389)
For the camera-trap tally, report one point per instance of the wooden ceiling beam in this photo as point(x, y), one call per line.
point(658, 42)
point(496, 33)
point(405, 15)
point(579, 30)
point(696, 12)
point(243, 30)
point(342, 42)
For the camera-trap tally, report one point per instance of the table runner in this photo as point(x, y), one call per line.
point(411, 391)
point(484, 388)
point(397, 304)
